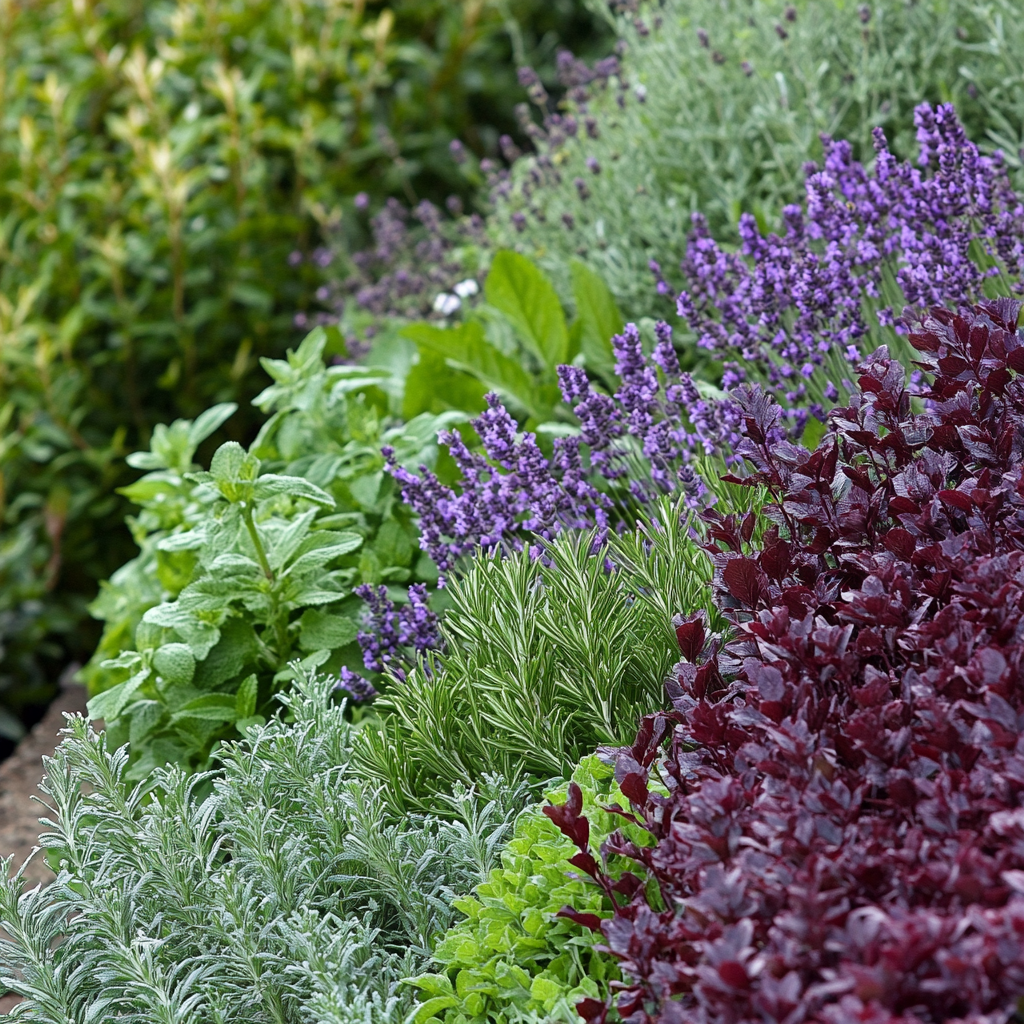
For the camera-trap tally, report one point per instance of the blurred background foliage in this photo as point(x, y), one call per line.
point(162, 167)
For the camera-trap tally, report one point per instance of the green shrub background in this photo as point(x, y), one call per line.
point(159, 164)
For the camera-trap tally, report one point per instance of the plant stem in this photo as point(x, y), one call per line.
point(261, 553)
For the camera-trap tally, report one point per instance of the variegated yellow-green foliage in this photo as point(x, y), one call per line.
point(512, 960)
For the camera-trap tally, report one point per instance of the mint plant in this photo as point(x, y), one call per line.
point(259, 560)
point(249, 567)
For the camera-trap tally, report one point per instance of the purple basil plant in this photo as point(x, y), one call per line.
point(797, 311)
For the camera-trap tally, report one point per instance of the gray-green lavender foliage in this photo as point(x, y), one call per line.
point(279, 895)
point(718, 106)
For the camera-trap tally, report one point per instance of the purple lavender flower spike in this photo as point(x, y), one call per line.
point(358, 687)
point(809, 301)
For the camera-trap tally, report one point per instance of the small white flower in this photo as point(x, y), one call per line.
point(445, 303)
point(467, 288)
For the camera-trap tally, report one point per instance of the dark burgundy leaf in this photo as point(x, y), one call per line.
point(690, 635)
point(747, 530)
point(924, 341)
point(634, 788)
point(775, 560)
point(903, 506)
point(953, 366)
point(742, 578)
point(900, 543)
point(862, 480)
point(586, 920)
point(957, 499)
point(593, 1011)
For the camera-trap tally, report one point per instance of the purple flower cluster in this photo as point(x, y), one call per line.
point(413, 257)
point(392, 635)
point(631, 446)
point(798, 310)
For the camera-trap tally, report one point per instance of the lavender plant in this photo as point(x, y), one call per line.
point(284, 895)
point(715, 107)
point(643, 441)
point(797, 311)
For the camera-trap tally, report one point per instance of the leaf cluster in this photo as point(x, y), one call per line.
point(837, 766)
point(513, 342)
point(282, 896)
point(515, 958)
point(164, 166)
point(545, 657)
point(247, 567)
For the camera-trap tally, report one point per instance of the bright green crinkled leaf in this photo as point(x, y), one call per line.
point(245, 699)
point(325, 630)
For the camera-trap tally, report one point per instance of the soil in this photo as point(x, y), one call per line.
point(20, 776)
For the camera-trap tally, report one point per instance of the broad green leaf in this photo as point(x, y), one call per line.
point(210, 707)
point(432, 386)
point(231, 462)
point(521, 290)
point(431, 984)
point(465, 348)
point(149, 487)
point(237, 646)
point(109, 704)
point(294, 486)
point(431, 1009)
point(199, 635)
point(207, 422)
point(245, 699)
point(144, 716)
point(325, 630)
point(314, 595)
point(322, 548)
point(175, 662)
point(598, 316)
point(283, 538)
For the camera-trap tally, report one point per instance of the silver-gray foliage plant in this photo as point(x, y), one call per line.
point(717, 105)
point(274, 892)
